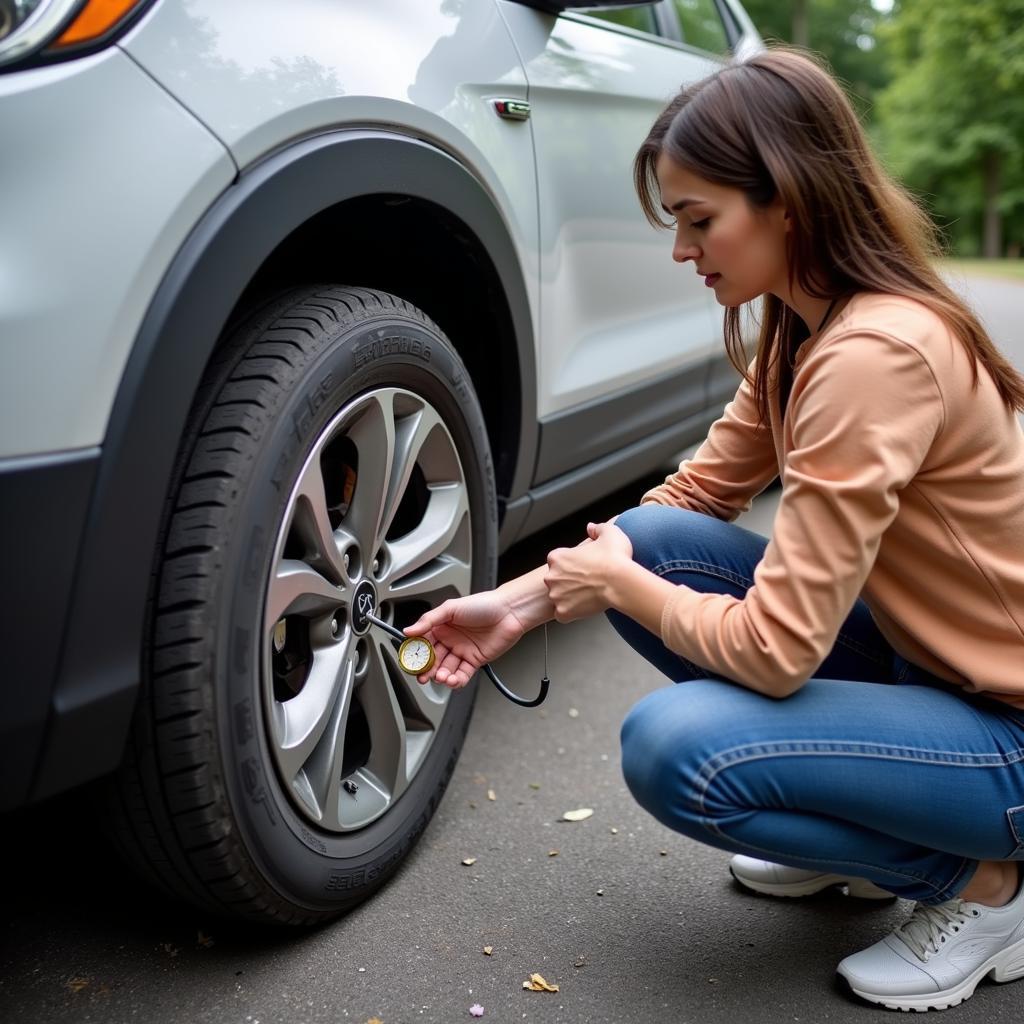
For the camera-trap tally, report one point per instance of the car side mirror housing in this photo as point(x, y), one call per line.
point(557, 6)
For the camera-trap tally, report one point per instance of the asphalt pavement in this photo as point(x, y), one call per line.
point(632, 922)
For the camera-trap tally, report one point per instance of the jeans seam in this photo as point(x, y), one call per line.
point(708, 569)
point(822, 748)
point(769, 751)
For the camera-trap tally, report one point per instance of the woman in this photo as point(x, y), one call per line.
point(852, 707)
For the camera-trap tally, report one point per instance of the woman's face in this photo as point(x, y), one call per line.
point(739, 249)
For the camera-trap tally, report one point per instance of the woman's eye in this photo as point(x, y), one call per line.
point(701, 224)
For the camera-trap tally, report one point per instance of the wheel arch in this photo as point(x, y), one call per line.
point(245, 244)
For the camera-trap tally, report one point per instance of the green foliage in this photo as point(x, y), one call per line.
point(845, 32)
point(956, 98)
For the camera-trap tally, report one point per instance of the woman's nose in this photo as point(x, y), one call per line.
point(683, 251)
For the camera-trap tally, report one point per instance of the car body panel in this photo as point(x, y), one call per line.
point(103, 177)
point(594, 92)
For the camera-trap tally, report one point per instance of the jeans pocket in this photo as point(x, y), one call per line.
point(1016, 818)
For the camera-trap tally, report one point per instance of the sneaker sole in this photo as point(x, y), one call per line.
point(856, 887)
point(1006, 965)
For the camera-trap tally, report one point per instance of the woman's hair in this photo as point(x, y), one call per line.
point(778, 124)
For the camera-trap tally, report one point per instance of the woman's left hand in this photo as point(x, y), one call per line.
point(578, 579)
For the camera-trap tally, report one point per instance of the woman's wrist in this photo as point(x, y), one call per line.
point(527, 597)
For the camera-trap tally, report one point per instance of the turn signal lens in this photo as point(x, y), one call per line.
point(96, 19)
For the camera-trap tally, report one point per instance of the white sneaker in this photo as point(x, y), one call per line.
point(777, 880)
point(936, 958)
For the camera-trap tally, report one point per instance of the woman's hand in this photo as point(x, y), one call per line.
point(467, 632)
point(578, 579)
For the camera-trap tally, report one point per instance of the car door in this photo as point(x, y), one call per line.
point(625, 333)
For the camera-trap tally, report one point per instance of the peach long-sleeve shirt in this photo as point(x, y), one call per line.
point(901, 485)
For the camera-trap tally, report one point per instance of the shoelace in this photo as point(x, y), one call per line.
point(925, 929)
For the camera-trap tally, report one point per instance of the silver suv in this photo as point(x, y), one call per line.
point(303, 303)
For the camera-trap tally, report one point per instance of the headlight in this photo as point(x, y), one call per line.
point(62, 27)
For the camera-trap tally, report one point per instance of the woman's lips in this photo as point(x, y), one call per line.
point(711, 279)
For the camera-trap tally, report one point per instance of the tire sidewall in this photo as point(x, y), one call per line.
point(309, 866)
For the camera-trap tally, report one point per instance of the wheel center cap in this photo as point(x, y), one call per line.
point(365, 603)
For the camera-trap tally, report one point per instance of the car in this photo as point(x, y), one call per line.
point(311, 308)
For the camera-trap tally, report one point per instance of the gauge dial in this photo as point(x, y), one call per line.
point(416, 655)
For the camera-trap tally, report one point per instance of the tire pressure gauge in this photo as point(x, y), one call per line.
point(416, 655)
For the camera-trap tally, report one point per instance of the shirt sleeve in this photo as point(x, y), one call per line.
point(864, 412)
point(731, 467)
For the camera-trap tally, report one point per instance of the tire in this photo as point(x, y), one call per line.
point(280, 766)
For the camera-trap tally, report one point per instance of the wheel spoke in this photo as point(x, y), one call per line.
point(441, 521)
point(386, 722)
point(442, 578)
point(373, 434)
point(310, 729)
point(313, 523)
point(411, 433)
point(296, 588)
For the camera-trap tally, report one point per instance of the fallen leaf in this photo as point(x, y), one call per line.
point(77, 984)
point(473, 805)
point(476, 1010)
point(579, 815)
point(491, 795)
point(664, 853)
point(581, 961)
point(552, 853)
point(488, 950)
point(375, 1020)
point(469, 860)
point(615, 831)
point(204, 940)
point(573, 713)
point(600, 892)
point(538, 984)
point(534, 785)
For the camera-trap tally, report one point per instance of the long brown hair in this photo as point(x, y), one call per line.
point(777, 123)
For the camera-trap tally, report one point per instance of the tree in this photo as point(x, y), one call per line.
point(951, 121)
point(845, 32)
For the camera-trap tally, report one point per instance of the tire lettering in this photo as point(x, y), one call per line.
point(311, 840)
point(339, 881)
point(244, 730)
point(395, 346)
point(252, 779)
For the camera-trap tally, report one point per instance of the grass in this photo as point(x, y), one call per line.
point(1011, 269)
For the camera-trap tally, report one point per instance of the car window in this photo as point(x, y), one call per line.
point(702, 25)
point(640, 18)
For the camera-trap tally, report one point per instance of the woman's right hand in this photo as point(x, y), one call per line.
point(467, 633)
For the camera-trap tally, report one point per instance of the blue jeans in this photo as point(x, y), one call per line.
point(874, 768)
